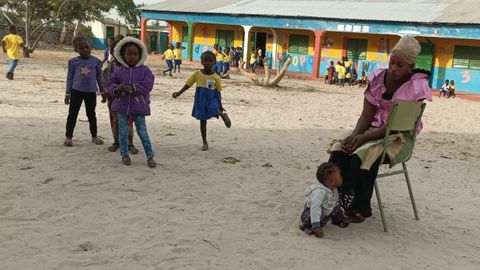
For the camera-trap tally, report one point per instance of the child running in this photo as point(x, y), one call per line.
point(207, 103)
point(177, 54)
point(169, 57)
point(131, 85)
point(322, 203)
point(11, 45)
point(83, 78)
point(220, 57)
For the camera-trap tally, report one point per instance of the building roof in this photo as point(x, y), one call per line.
point(419, 11)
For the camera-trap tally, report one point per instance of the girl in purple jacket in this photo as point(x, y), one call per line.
point(130, 85)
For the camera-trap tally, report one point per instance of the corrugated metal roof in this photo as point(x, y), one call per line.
point(422, 11)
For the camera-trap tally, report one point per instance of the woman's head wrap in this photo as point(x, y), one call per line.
point(407, 49)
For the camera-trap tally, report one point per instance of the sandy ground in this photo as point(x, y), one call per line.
point(79, 208)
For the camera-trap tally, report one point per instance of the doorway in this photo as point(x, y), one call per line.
point(425, 59)
point(261, 43)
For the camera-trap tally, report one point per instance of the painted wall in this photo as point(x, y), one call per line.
point(465, 79)
point(99, 31)
point(204, 37)
point(333, 47)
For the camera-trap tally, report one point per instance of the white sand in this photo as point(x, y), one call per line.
point(79, 208)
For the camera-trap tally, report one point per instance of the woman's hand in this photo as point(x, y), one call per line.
point(355, 142)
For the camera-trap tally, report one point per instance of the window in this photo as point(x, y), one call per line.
point(185, 34)
point(224, 38)
point(357, 49)
point(466, 57)
point(298, 44)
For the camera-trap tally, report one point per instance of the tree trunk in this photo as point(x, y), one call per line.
point(63, 34)
point(77, 29)
point(28, 27)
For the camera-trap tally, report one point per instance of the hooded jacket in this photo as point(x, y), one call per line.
point(139, 76)
point(320, 200)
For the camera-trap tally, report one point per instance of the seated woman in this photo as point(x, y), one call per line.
point(385, 86)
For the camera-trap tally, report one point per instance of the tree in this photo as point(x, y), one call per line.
point(266, 81)
point(42, 12)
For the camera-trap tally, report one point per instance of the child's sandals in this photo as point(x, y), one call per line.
point(68, 142)
point(97, 141)
point(151, 163)
point(205, 147)
point(126, 160)
point(132, 149)
point(113, 147)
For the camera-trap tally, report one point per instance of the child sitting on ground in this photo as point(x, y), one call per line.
point(322, 203)
point(444, 89)
point(363, 80)
point(451, 89)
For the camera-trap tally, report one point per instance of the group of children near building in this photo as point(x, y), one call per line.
point(126, 86)
point(448, 89)
point(344, 73)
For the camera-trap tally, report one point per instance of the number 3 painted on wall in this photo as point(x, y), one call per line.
point(466, 76)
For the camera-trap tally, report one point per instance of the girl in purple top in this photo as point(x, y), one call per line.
point(399, 82)
point(83, 79)
point(130, 85)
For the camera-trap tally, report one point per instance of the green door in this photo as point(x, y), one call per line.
point(425, 58)
point(110, 32)
point(153, 42)
point(163, 42)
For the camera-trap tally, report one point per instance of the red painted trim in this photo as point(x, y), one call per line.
point(143, 30)
point(344, 48)
point(317, 52)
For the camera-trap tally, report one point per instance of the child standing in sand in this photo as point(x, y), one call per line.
point(130, 85)
point(322, 203)
point(11, 45)
point(169, 57)
point(177, 54)
point(207, 103)
point(83, 79)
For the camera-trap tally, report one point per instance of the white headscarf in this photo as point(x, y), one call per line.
point(407, 49)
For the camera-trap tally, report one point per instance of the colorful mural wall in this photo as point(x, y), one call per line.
point(334, 46)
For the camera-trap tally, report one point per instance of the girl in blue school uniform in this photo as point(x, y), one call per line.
point(207, 102)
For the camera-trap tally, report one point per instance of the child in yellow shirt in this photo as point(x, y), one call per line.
point(341, 74)
point(169, 56)
point(177, 54)
point(11, 45)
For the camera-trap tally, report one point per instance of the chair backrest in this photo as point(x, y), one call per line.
point(405, 115)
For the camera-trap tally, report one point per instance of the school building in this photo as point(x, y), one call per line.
point(104, 29)
point(315, 32)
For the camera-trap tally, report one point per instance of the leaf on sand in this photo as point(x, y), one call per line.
point(230, 160)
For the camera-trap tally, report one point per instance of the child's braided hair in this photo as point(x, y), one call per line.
point(325, 170)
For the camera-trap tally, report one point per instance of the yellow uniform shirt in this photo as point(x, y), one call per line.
point(177, 53)
point(227, 58)
point(347, 64)
point(252, 59)
point(205, 81)
point(169, 54)
point(13, 43)
point(220, 57)
point(349, 75)
point(341, 72)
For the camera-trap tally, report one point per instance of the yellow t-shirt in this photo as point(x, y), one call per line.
point(252, 59)
point(212, 82)
point(347, 64)
point(177, 53)
point(349, 75)
point(227, 59)
point(220, 56)
point(13, 45)
point(168, 54)
point(341, 72)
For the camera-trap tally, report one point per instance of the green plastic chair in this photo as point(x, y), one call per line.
point(404, 117)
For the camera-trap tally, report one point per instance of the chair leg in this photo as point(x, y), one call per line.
point(415, 212)
point(380, 206)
